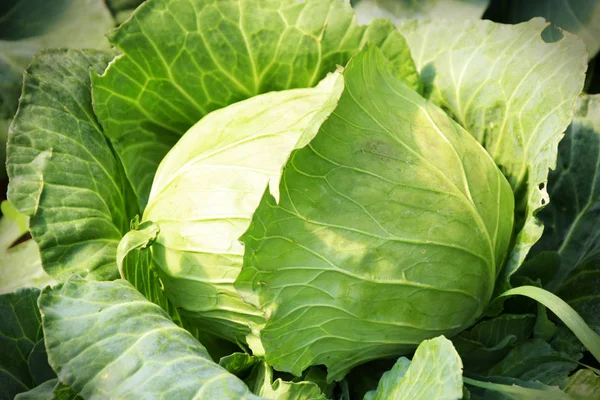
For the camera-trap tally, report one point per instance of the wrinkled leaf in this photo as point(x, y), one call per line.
point(63, 173)
point(105, 338)
point(372, 232)
point(435, 372)
point(513, 92)
point(183, 59)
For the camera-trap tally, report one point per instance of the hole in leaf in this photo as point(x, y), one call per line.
point(552, 34)
point(541, 186)
point(543, 201)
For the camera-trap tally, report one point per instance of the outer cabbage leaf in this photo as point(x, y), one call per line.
point(513, 92)
point(396, 10)
point(435, 372)
point(63, 172)
point(106, 340)
point(185, 58)
point(572, 219)
point(209, 185)
point(27, 26)
point(390, 229)
point(581, 17)
point(20, 335)
point(20, 263)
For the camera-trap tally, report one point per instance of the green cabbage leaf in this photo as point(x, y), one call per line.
point(392, 205)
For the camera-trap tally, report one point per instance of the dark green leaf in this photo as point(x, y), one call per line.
point(534, 360)
point(63, 172)
point(20, 335)
point(39, 369)
point(490, 341)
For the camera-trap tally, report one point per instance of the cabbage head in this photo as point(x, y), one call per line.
point(206, 190)
point(331, 225)
point(391, 227)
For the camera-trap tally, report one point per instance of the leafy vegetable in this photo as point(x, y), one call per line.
point(63, 172)
point(222, 55)
point(297, 202)
point(370, 229)
point(135, 347)
point(517, 110)
point(234, 153)
point(572, 217)
point(434, 373)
